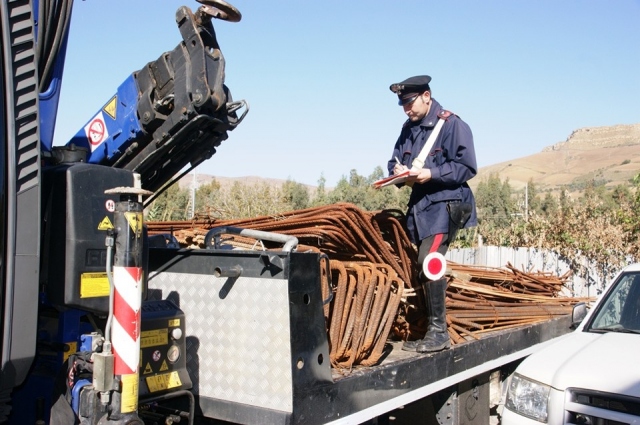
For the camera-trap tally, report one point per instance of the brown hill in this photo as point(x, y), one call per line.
point(609, 155)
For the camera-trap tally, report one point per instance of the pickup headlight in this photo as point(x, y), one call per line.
point(528, 398)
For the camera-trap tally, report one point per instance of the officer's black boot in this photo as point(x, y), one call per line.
point(410, 345)
point(437, 337)
point(432, 337)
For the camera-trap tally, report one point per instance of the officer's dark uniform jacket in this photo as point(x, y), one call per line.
point(452, 162)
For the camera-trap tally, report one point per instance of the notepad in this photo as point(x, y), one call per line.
point(395, 179)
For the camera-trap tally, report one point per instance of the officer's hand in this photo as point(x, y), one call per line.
point(423, 177)
point(399, 168)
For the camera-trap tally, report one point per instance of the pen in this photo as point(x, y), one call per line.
point(397, 160)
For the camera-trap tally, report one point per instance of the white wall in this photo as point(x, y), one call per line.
point(534, 260)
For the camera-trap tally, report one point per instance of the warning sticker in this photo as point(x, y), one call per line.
point(96, 131)
point(135, 222)
point(73, 347)
point(105, 224)
point(174, 322)
point(110, 107)
point(94, 285)
point(154, 338)
point(163, 382)
point(129, 397)
point(147, 369)
point(164, 366)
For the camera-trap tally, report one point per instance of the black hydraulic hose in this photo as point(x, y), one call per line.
point(167, 185)
point(171, 395)
point(53, 19)
point(53, 26)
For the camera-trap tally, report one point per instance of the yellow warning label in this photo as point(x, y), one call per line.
point(135, 222)
point(105, 224)
point(164, 366)
point(94, 285)
point(163, 382)
point(147, 369)
point(129, 402)
point(73, 347)
point(110, 107)
point(154, 338)
point(174, 323)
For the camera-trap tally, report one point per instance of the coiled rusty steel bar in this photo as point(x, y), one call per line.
point(366, 303)
point(372, 272)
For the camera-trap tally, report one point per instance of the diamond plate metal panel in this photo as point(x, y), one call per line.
point(238, 336)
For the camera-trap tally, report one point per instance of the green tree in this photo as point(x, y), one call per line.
point(295, 194)
point(359, 191)
point(349, 190)
point(172, 204)
point(494, 202)
point(621, 194)
point(596, 192)
point(534, 205)
point(564, 201)
point(207, 199)
point(549, 205)
point(320, 197)
point(629, 218)
point(244, 201)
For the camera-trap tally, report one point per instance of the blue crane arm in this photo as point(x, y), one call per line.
point(171, 113)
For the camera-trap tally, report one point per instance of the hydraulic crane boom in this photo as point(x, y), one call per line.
point(174, 111)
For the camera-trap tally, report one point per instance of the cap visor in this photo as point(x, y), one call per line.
point(403, 101)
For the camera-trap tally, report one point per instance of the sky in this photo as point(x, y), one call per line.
point(523, 74)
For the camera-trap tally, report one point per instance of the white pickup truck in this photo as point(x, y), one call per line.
point(590, 376)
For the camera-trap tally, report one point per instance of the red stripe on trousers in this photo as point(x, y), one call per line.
point(437, 240)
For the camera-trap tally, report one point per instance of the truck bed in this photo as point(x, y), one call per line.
point(257, 348)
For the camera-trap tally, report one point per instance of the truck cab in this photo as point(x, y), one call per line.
point(591, 375)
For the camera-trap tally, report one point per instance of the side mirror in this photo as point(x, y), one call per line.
point(578, 314)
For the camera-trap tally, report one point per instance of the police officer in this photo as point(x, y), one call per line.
point(441, 201)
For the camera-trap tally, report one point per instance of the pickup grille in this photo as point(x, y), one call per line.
point(595, 407)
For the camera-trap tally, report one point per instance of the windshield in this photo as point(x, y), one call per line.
point(620, 310)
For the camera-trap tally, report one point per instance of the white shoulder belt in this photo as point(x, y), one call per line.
point(418, 162)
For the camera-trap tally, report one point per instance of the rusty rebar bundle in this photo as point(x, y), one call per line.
point(373, 275)
point(367, 298)
point(342, 231)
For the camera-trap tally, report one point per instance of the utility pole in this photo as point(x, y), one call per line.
point(526, 201)
point(193, 195)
